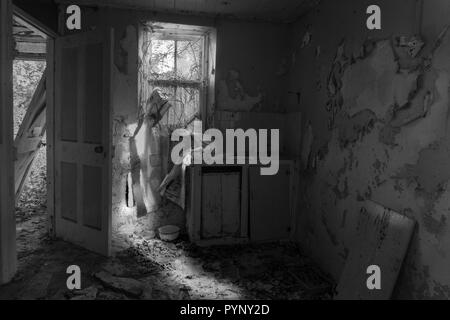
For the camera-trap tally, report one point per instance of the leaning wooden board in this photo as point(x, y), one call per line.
point(30, 135)
point(382, 239)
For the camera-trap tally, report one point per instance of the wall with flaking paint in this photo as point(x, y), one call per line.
point(379, 123)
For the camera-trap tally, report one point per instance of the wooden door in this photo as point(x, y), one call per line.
point(82, 139)
point(7, 212)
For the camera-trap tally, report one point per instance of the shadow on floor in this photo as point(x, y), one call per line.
point(153, 269)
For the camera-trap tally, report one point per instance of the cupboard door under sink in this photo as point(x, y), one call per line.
point(221, 205)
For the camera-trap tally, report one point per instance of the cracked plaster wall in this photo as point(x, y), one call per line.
point(380, 125)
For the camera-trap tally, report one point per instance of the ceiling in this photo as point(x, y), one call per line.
point(268, 10)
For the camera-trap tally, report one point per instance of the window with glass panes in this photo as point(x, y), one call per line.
point(177, 71)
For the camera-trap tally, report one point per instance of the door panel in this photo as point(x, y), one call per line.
point(82, 140)
point(7, 213)
point(221, 205)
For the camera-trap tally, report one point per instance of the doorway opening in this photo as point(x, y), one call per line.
point(32, 193)
point(29, 117)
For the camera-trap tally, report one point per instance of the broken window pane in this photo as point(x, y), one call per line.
point(189, 55)
point(184, 65)
point(176, 71)
point(188, 101)
point(162, 61)
point(185, 105)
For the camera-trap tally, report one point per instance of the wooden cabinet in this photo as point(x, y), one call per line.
point(234, 204)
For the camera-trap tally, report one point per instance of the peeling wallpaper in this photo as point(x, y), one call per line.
point(379, 117)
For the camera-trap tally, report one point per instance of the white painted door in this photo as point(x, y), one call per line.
point(82, 139)
point(7, 213)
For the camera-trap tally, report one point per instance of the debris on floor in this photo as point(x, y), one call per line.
point(127, 286)
point(154, 269)
point(33, 197)
point(145, 267)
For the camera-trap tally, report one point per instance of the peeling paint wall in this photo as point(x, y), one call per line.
point(378, 109)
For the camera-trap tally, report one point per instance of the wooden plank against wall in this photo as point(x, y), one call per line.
point(29, 136)
point(382, 239)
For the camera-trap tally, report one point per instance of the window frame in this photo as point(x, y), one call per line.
point(206, 85)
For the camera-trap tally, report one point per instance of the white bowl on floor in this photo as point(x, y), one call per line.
point(169, 233)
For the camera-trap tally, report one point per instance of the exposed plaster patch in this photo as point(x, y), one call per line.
point(127, 51)
point(417, 105)
point(125, 103)
point(125, 76)
point(123, 214)
point(432, 169)
point(372, 83)
point(420, 134)
point(404, 84)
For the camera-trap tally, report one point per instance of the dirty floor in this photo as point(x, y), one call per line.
point(145, 268)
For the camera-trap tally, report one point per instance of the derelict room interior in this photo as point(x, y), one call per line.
point(224, 149)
